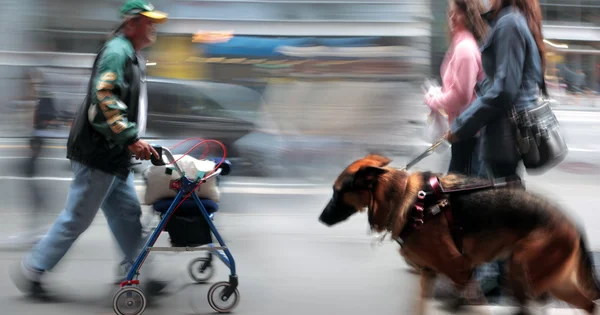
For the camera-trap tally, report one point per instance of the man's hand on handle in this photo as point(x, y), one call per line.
point(142, 150)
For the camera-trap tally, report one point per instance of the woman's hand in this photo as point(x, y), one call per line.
point(433, 92)
point(450, 137)
point(427, 100)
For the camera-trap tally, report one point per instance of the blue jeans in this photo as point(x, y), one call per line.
point(90, 190)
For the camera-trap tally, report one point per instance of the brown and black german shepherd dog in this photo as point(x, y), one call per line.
point(545, 250)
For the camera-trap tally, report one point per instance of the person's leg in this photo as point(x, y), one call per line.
point(491, 275)
point(33, 187)
point(37, 198)
point(462, 159)
point(496, 170)
point(34, 228)
point(86, 194)
point(477, 165)
point(123, 213)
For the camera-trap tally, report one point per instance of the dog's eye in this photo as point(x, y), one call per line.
point(337, 195)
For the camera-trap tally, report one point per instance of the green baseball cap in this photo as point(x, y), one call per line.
point(135, 7)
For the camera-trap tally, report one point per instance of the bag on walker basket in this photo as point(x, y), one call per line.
point(162, 181)
point(188, 230)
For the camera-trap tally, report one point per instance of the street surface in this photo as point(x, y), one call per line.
point(288, 263)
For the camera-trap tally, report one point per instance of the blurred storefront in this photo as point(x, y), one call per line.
point(66, 34)
point(254, 61)
point(71, 26)
point(170, 58)
point(572, 32)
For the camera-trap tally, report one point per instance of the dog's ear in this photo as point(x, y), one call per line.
point(381, 160)
point(367, 175)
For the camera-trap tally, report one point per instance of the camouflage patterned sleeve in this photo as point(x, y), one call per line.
point(107, 114)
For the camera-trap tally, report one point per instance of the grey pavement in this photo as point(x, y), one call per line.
point(288, 263)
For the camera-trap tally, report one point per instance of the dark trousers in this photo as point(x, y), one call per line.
point(465, 157)
point(491, 275)
point(466, 160)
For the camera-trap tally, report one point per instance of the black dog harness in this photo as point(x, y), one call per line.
point(433, 199)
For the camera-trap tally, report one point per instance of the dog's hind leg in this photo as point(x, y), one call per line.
point(546, 262)
point(518, 280)
point(571, 293)
point(579, 286)
point(427, 282)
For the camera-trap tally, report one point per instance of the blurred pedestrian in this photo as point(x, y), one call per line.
point(35, 228)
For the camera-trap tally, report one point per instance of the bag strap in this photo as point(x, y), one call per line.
point(543, 87)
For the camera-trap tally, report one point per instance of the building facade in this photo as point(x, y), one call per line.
point(68, 32)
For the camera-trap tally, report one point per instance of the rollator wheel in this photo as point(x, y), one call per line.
point(129, 301)
point(215, 298)
point(201, 269)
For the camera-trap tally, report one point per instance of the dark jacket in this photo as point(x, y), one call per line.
point(106, 122)
point(513, 67)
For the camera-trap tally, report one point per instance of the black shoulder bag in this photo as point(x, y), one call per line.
point(539, 140)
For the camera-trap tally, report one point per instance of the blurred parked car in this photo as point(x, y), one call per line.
point(177, 109)
point(181, 109)
point(295, 134)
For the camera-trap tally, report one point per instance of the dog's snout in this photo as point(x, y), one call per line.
point(326, 216)
point(335, 213)
point(323, 220)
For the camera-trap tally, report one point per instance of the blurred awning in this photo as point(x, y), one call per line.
point(345, 52)
point(46, 59)
point(264, 47)
point(571, 32)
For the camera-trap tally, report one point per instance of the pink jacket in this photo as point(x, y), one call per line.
point(461, 70)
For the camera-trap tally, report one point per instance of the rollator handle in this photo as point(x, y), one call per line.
point(157, 160)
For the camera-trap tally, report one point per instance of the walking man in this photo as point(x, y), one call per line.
point(103, 138)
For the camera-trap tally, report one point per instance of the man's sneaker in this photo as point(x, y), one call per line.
point(28, 281)
point(122, 271)
point(154, 287)
point(151, 287)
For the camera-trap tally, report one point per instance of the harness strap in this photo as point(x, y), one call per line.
point(495, 183)
point(422, 211)
point(456, 230)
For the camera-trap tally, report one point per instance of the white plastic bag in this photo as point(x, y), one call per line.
point(436, 127)
point(161, 181)
point(437, 121)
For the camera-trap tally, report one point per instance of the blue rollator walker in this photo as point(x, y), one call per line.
point(129, 299)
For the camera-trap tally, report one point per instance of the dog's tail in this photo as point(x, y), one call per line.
point(586, 275)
